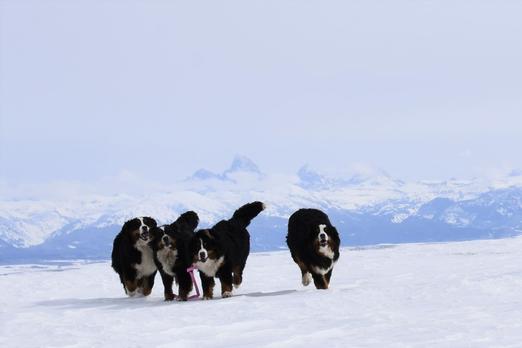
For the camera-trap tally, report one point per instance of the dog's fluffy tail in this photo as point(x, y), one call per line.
point(190, 219)
point(246, 213)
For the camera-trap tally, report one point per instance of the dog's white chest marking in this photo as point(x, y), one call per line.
point(146, 267)
point(210, 267)
point(326, 251)
point(322, 271)
point(167, 257)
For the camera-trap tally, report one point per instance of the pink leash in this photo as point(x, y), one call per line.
point(190, 270)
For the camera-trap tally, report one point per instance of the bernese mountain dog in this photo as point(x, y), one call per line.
point(170, 245)
point(222, 250)
point(314, 246)
point(132, 256)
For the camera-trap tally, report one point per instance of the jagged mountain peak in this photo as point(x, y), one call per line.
point(239, 164)
point(204, 174)
point(309, 178)
point(242, 164)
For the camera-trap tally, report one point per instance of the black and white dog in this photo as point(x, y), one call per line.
point(170, 244)
point(314, 246)
point(222, 250)
point(132, 257)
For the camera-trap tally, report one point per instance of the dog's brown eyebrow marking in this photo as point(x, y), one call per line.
point(207, 233)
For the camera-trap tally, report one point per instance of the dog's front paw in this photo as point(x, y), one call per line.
point(205, 298)
point(307, 279)
point(169, 297)
point(226, 294)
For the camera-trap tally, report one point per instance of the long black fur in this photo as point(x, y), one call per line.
point(178, 236)
point(303, 229)
point(228, 239)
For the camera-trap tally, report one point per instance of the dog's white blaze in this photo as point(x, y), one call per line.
point(202, 249)
point(210, 267)
point(147, 266)
point(167, 257)
point(322, 232)
point(140, 228)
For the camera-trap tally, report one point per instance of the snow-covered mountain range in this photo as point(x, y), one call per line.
point(368, 206)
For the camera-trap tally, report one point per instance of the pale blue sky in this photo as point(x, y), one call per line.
point(422, 89)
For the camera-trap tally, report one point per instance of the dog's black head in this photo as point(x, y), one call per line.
point(204, 247)
point(187, 222)
point(325, 238)
point(139, 228)
point(173, 235)
point(163, 237)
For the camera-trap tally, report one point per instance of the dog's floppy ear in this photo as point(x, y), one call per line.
point(334, 234)
point(130, 225)
point(127, 237)
point(150, 221)
point(210, 235)
point(155, 233)
point(313, 231)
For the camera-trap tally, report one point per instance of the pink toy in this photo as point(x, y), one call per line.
point(191, 270)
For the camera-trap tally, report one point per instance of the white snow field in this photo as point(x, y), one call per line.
point(466, 294)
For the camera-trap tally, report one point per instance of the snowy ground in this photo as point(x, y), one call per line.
point(440, 295)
